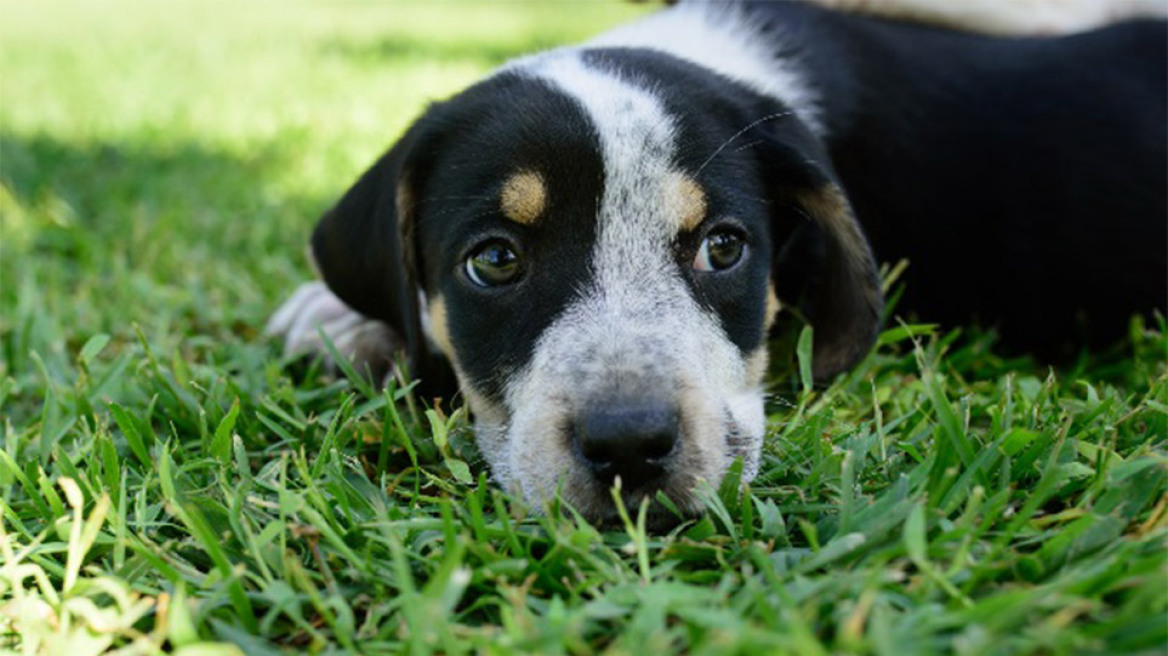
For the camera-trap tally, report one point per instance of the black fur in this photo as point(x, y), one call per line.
point(491, 131)
point(758, 176)
point(1024, 179)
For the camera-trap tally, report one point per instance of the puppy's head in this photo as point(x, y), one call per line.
point(597, 242)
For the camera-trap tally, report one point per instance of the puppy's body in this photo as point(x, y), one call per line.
point(1024, 179)
point(596, 239)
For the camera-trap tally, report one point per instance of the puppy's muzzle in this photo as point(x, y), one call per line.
point(633, 440)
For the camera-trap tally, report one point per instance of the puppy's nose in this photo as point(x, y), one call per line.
point(633, 441)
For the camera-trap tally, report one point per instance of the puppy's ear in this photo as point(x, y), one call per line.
point(365, 251)
point(822, 258)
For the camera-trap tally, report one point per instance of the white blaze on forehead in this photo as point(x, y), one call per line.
point(637, 142)
point(638, 294)
point(632, 261)
point(720, 36)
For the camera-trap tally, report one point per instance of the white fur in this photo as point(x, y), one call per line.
point(312, 310)
point(1009, 17)
point(718, 36)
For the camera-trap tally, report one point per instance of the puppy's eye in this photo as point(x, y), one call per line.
point(721, 249)
point(493, 264)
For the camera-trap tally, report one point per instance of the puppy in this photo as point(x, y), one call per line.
point(595, 241)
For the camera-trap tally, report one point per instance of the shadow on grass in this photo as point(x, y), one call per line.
point(96, 176)
point(177, 239)
point(66, 199)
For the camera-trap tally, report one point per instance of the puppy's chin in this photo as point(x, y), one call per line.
point(658, 519)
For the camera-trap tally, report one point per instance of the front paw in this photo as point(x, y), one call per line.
point(312, 311)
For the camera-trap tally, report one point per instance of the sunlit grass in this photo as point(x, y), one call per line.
point(165, 483)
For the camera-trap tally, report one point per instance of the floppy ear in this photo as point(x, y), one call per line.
point(364, 248)
point(822, 259)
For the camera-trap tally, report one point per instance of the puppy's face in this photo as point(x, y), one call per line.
point(595, 250)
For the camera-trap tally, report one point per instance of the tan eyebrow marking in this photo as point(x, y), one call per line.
point(524, 197)
point(685, 201)
point(773, 306)
point(756, 365)
point(438, 326)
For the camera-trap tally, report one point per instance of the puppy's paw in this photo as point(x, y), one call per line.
point(314, 310)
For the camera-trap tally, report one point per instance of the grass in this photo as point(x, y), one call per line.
point(167, 485)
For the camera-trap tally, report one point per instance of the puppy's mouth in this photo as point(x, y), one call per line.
point(658, 517)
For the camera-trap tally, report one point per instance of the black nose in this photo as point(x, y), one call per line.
point(631, 440)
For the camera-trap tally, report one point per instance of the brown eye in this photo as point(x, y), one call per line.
point(493, 264)
point(721, 249)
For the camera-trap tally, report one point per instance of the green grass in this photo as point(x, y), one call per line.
point(167, 485)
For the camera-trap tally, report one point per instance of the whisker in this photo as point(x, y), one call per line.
point(741, 132)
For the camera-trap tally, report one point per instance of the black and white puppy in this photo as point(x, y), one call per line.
point(596, 240)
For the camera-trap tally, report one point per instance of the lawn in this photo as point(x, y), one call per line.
point(168, 484)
